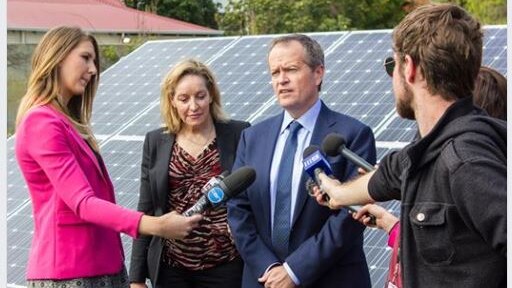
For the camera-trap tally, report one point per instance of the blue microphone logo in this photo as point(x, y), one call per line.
point(314, 161)
point(215, 195)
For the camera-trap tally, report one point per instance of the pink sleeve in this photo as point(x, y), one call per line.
point(393, 234)
point(51, 150)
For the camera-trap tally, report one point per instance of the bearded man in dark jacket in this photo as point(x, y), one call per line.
point(452, 181)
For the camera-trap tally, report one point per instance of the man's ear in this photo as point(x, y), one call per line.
point(411, 70)
point(319, 74)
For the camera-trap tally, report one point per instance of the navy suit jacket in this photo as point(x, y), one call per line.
point(326, 246)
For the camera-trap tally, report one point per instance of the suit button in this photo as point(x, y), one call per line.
point(420, 217)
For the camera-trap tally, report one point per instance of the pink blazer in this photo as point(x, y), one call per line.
point(76, 220)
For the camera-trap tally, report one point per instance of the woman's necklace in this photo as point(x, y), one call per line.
point(208, 138)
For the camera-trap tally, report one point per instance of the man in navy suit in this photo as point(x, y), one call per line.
point(317, 247)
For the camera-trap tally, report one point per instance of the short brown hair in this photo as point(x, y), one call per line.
point(172, 121)
point(491, 92)
point(445, 42)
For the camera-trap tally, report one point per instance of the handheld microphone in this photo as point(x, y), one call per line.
point(334, 144)
point(202, 204)
point(314, 164)
point(214, 181)
point(223, 190)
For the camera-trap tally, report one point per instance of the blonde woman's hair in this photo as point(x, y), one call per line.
point(44, 85)
point(170, 117)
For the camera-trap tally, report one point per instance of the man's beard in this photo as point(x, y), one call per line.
point(404, 103)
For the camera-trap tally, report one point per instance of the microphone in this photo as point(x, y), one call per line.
point(225, 189)
point(334, 144)
point(314, 164)
point(202, 204)
point(214, 181)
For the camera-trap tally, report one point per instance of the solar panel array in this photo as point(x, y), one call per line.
point(127, 106)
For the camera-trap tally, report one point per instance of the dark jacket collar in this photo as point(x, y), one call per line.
point(451, 124)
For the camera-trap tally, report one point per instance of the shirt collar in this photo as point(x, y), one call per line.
point(307, 120)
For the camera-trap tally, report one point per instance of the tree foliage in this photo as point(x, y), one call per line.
point(243, 17)
point(286, 16)
point(200, 12)
point(487, 11)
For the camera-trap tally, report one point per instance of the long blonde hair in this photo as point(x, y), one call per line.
point(172, 121)
point(43, 84)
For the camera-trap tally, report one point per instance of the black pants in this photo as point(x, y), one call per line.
point(228, 275)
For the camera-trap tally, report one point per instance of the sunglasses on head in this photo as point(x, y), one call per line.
point(389, 65)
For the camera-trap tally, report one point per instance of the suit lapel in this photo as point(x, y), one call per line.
point(88, 150)
point(161, 168)
point(225, 144)
point(265, 156)
point(322, 127)
point(80, 141)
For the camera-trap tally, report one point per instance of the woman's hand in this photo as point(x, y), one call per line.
point(169, 226)
point(323, 192)
point(177, 226)
point(384, 219)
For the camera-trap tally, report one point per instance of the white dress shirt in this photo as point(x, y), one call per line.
point(308, 121)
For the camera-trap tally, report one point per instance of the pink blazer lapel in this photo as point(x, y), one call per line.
point(80, 141)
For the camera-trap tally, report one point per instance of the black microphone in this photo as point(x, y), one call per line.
point(334, 144)
point(224, 190)
point(314, 164)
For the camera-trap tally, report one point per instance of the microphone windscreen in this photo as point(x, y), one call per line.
point(332, 143)
point(309, 150)
point(239, 180)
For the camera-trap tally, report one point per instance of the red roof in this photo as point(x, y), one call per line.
point(94, 16)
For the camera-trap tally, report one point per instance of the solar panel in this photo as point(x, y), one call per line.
point(127, 106)
point(131, 87)
point(240, 73)
point(495, 48)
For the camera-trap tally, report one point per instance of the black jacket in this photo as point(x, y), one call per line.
point(154, 190)
point(452, 184)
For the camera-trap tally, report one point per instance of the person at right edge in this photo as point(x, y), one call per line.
point(452, 181)
point(490, 94)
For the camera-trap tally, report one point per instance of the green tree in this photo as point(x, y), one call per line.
point(200, 12)
point(487, 11)
point(371, 14)
point(139, 4)
point(285, 16)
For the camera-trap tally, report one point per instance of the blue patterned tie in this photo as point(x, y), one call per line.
point(281, 229)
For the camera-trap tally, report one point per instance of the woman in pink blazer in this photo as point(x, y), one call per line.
point(77, 223)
